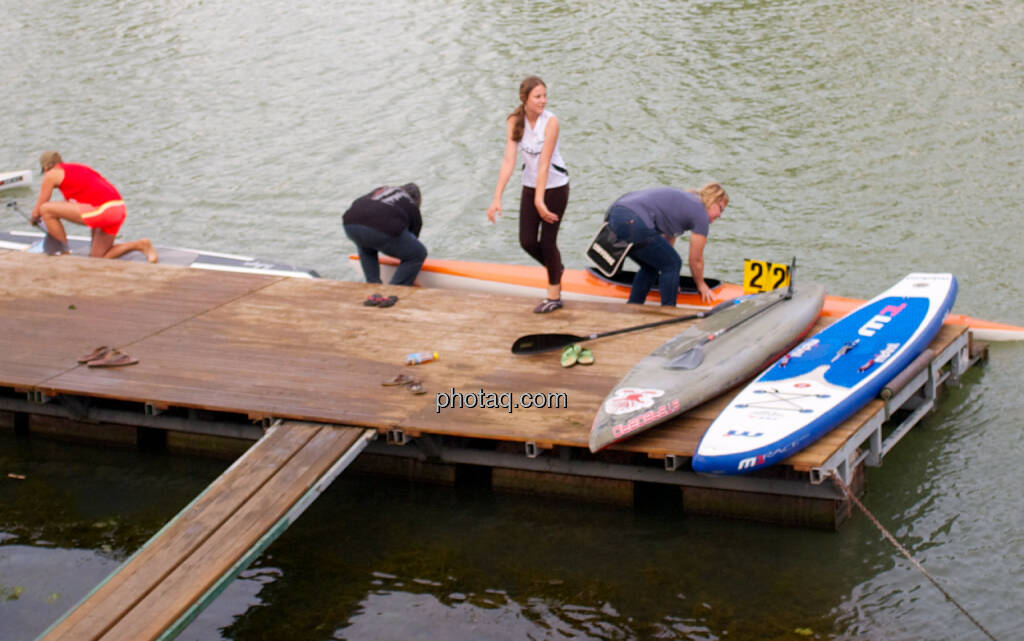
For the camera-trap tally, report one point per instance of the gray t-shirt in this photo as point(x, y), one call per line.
point(668, 210)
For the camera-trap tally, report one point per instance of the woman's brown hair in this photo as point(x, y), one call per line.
point(528, 84)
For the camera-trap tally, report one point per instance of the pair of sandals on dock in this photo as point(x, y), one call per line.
point(377, 300)
point(105, 356)
point(415, 385)
point(574, 354)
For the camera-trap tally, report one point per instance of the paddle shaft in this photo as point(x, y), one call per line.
point(679, 319)
point(694, 356)
point(534, 343)
point(38, 224)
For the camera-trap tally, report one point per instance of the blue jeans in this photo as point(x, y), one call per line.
point(658, 260)
point(405, 247)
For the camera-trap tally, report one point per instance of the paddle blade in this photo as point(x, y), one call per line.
point(690, 359)
point(535, 343)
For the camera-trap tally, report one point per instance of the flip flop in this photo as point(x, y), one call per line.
point(416, 387)
point(570, 355)
point(388, 302)
point(400, 379)
point(99, 352)
point(374, 300)
point(586, 357)
point(115, 358)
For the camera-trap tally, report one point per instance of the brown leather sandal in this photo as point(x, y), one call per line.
point(99, 352)
point(115, 358)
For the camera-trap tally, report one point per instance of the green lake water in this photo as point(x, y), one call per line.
point(868, 139)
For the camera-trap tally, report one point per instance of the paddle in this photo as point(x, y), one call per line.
point(535, 343)
point(49, 241)
point(694, 356)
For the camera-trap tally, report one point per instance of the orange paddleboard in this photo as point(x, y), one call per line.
point(580, 284)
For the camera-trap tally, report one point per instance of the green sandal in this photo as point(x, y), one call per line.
point(586, 357)
point(570, 355)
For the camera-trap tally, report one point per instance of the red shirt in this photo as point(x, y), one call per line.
point(84, 184)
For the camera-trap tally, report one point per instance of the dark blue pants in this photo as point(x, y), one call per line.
point(405, 247)
point(658, 260)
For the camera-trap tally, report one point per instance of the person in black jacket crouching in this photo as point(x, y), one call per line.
point(388, 220)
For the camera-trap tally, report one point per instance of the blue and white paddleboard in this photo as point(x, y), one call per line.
point(826, 378)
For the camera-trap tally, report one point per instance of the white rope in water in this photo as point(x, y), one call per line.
point(949, 597)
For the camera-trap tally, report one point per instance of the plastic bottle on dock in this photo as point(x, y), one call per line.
point(421, 357)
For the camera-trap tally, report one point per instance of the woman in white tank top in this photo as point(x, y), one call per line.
point(533, 130)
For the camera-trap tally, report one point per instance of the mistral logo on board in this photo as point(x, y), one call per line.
point(748, 463)
point(761, 459)
point(880, 319)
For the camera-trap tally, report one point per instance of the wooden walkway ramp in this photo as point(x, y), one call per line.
point(164, 585)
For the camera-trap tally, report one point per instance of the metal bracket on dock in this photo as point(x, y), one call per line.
point(39, 397)
point(532, 450)
point(960, 364)
point(396, 437)
point(152, 410)
point(673, 462)
point(917, 392)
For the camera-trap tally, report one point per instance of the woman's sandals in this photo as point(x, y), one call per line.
point(415, 385)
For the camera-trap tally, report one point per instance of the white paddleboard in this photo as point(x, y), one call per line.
point(826, 378)
point(15, 179)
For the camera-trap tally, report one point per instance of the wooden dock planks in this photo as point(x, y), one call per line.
point(54, 310)
point(308, 350)
point(211, 540)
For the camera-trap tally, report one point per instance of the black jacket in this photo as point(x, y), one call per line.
point(387, 209)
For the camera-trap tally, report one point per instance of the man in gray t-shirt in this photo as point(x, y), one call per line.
point(651, 219)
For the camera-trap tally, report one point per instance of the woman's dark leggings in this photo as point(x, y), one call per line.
point(539, 238)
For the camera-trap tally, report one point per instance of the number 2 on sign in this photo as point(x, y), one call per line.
point(762, 276)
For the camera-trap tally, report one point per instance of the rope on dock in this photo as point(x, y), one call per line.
point(949, 597)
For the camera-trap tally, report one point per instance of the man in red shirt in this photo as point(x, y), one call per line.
point(90, 201)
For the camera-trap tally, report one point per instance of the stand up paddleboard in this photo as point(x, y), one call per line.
point(827, 378)
point(38, 243)
point(15, 179)
point(580, 284)
point(709, 357)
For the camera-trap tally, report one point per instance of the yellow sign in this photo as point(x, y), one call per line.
point(762, 276)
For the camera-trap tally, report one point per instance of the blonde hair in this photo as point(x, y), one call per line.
point(49, 159)
point(528, 84)
point(712, 193)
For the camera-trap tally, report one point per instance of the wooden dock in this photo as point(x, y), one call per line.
point(229, 355)
point(261, 348)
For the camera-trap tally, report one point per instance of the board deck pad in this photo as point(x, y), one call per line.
point(827, 378)
point(690, 368)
